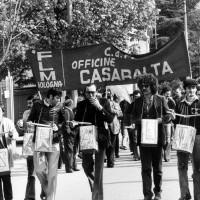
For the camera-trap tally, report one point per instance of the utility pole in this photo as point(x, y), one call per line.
point(74, 93)
point(185, 22)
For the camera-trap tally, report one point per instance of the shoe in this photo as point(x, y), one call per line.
point(110, 166)
point(147, 198)
point(69, 171)
point(166, 160)
point(136, 159)
point(80, 156)
point(157, 197)
point(117, 156)
point(76, 169)
point(132, 154)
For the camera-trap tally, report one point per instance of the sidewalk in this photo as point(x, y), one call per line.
point(123, 182)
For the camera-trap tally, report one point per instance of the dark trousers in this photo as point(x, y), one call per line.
point(30, 187)
point(117, 145)
point(110, 151)
point(94, 171)
point(70, 148)
point(133, 142)
point(151, 157)
point(5, 181)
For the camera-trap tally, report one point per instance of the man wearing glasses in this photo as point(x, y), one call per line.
point(97, 112)
point(150, 106)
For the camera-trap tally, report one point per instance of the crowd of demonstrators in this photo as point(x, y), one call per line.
point(98, 113)
point(8, 133)
point(189, 105)
point(150, 106)
point(49, 112)
point(105, 113)
point(167, 92)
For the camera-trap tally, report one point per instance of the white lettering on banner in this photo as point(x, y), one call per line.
point(47, 75)
point(52, 75)
point(155, 68)
point(166, 68)
point(106, 51)
point(82, 72)
point(96, 76)
point(50, 84)
point(125, 73)
point(105, 74)
point(98, 62)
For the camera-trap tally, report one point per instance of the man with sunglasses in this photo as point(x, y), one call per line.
point(190, 105)
point(150, 106)
point(97, 112)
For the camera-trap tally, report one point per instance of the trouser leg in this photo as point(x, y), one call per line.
point(196, 168)
point(146, 159)
point(88, 166)
point(52, 159)
point(131, 142)
point(97, 191)
point(30, 187)
point(110, 150)
point(157, 168)
point(183, 174)
point(1, 189)
point(117, 145)
point(41, 170)
point(7, 187)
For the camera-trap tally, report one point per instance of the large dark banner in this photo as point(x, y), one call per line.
point(103, 65)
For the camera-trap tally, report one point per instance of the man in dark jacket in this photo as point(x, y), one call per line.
point(150, 106)
point(97, 112)
point(190, 105)
point(49, 112)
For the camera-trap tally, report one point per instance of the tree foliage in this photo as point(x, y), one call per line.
point(47, 24)
point(171, 21)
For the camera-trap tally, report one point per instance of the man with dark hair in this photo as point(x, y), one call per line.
point(150, 106)
point(97, 112)
point(48, 111)
point(190, 105)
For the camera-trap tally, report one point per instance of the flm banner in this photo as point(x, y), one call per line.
point(105, 65)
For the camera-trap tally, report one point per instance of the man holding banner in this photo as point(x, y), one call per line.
point(189, 108)
point(148, 114)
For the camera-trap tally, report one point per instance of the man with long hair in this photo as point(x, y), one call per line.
point(150, 106)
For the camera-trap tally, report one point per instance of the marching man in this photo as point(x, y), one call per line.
point(190, 105)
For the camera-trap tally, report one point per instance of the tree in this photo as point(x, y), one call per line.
point(44, 24)
point(171, 21)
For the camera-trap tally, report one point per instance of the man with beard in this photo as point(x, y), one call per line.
point(190, 105)
point(150, 106)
